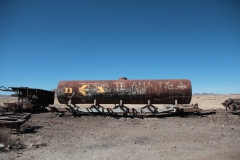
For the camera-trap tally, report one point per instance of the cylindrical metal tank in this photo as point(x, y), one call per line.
point(159, 91)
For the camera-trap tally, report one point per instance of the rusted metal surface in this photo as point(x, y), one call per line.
point(1, 109)
point(188, 108)
point(24, 105)
point(17, 106)
point(34, 95)
point(14, 121)
point(128, 91)
point(9, 106)
point(57, 109)
point(29, 98)
point(233, 104)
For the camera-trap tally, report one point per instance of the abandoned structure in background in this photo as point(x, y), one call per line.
point(29, 98)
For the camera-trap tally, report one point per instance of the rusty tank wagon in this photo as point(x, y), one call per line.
point(128, 91)
point(176, 94)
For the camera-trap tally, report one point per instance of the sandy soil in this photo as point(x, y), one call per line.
point(210, 137)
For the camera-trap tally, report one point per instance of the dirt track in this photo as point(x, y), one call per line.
point(214, 136)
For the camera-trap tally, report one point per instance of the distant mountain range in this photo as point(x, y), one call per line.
point(213, 94)
point(2, 95)
point(202, 93)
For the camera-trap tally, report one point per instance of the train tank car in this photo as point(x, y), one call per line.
point(158, 91)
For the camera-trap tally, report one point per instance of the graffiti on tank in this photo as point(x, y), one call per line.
point(138, 88)
point(168, 85)
point(171, 86)
point(119, 87)
point(135, 88)
point(67, 90)
point(182, 86)
point(89, 89)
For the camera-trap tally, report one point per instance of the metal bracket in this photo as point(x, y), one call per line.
point(70, 99)
point(149, 106)
point(97, 107)
point(122, 107)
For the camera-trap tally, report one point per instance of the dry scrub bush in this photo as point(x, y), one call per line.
point(4, 138)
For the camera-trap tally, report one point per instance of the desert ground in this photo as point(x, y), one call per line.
point(205, 137)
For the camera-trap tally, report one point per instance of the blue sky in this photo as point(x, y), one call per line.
point(43, 42)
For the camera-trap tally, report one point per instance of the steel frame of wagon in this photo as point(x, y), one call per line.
point(121, 109)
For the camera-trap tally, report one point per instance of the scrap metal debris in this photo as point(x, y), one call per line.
point(14, 121)
point(233, 104)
